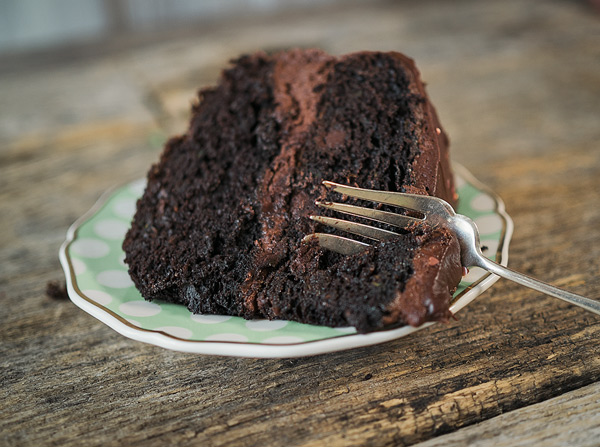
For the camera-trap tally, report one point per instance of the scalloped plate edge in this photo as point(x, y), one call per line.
point(262, 350)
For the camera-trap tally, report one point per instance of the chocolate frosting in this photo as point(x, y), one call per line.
point(437, 272)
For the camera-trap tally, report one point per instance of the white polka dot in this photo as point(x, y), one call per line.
point(140, 308)
point(124, 208)
point(346, 330)
point(122, 260)
point(112, 229)
point(138, 187)
point(117, 279)
point(283, 340)
point(227, 337)
point(459, 182)
point(265, 325)
point(90, 248)
point(483, 202)
point(210, 319)
point(79, 266)
point(98, 296)
point(475, 273)
point(134, 322)
point(176, 331)
point(489, 224)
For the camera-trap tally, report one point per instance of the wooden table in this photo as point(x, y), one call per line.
point(517, 86)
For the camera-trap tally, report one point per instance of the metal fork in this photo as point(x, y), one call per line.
point(436, 212)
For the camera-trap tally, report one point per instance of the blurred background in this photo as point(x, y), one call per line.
point(134, 66)
point(137, 64)
point(29, 25)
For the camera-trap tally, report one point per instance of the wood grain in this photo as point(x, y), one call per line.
point(517, 86)
point(571, 419)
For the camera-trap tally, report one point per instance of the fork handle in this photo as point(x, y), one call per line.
point(527, 281)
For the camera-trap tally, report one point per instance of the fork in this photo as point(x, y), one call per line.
point(435, 212)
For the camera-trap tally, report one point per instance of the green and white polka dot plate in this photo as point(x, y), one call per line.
point(98, 282)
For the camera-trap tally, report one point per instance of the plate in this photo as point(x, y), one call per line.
point(98, 282)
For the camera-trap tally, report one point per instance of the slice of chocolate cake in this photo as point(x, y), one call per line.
point(220, 225)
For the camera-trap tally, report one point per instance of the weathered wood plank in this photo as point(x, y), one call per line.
point(571, 419)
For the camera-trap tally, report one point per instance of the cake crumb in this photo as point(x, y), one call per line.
point(57, 290)
point(433, 261)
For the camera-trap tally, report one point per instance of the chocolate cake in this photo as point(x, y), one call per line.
point(219, 227)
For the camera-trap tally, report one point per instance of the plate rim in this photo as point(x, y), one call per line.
point(266, 350)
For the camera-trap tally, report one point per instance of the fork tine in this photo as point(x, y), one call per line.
point(376, 234)
point(423, 204)
point(338, 244)
point(397, 220)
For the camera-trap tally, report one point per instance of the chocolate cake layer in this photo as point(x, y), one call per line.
point(220, 225)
